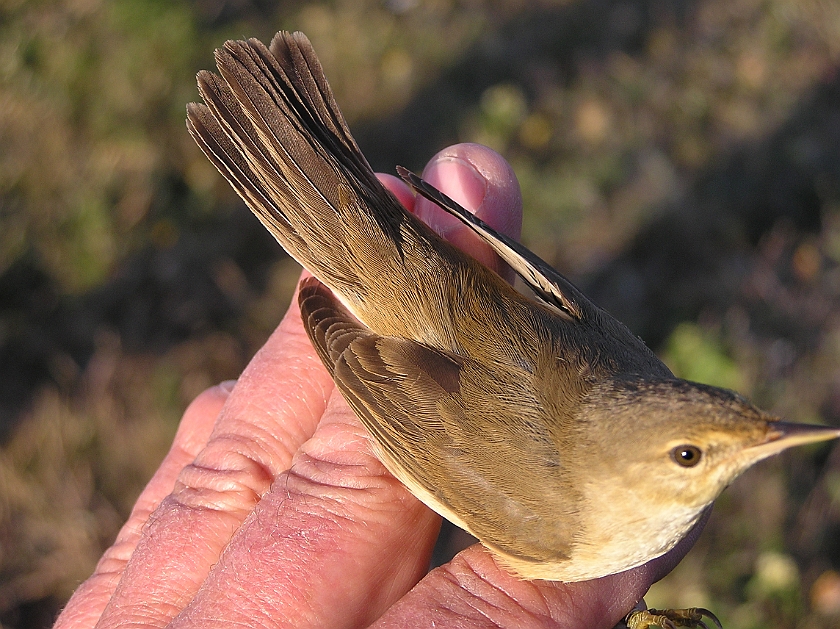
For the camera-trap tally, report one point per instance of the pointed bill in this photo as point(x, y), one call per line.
point(786, 435)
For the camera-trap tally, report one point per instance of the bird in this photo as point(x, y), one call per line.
point(537, 422)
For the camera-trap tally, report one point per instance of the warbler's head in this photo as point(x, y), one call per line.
point(648, 457)
point(682, 442)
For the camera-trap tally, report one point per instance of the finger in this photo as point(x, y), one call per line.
point(475, 591)
point(335, 541)
point(89, 600)
point(274, 407)
point(483, 182)
point(399, 189)
point(333, 544)
point(193, 434)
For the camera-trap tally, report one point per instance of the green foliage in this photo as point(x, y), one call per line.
point(91, 94)
point(695, 354)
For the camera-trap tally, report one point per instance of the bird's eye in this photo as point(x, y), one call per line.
point(686, 456)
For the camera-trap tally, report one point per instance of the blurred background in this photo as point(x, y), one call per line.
point(679, 160)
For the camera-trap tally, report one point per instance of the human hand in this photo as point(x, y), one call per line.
point(271, 510)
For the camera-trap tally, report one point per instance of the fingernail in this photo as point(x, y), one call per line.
point(226, 386)
point(460, 177)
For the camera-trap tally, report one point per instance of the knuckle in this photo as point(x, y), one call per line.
point(224, 480)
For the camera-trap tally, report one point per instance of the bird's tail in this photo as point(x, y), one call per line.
point(271, 126)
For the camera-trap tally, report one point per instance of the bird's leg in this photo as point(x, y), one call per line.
point(691, 618)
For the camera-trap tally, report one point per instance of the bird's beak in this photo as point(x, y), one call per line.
point(784, 435)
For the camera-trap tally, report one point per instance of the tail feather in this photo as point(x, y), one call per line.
point(231, 162)
point(272, 127)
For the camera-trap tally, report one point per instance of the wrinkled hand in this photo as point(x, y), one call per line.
point(271, 510)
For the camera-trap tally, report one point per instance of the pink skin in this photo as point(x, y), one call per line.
point(271, 510)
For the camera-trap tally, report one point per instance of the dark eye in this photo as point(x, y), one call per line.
point(687, 456)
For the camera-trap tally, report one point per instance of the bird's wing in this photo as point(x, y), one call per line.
point(449, 443)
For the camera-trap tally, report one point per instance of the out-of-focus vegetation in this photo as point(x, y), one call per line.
point(679, 160)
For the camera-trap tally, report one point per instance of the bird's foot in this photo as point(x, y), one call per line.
point(691, 618)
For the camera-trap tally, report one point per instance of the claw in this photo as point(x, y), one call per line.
point(691, 618)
